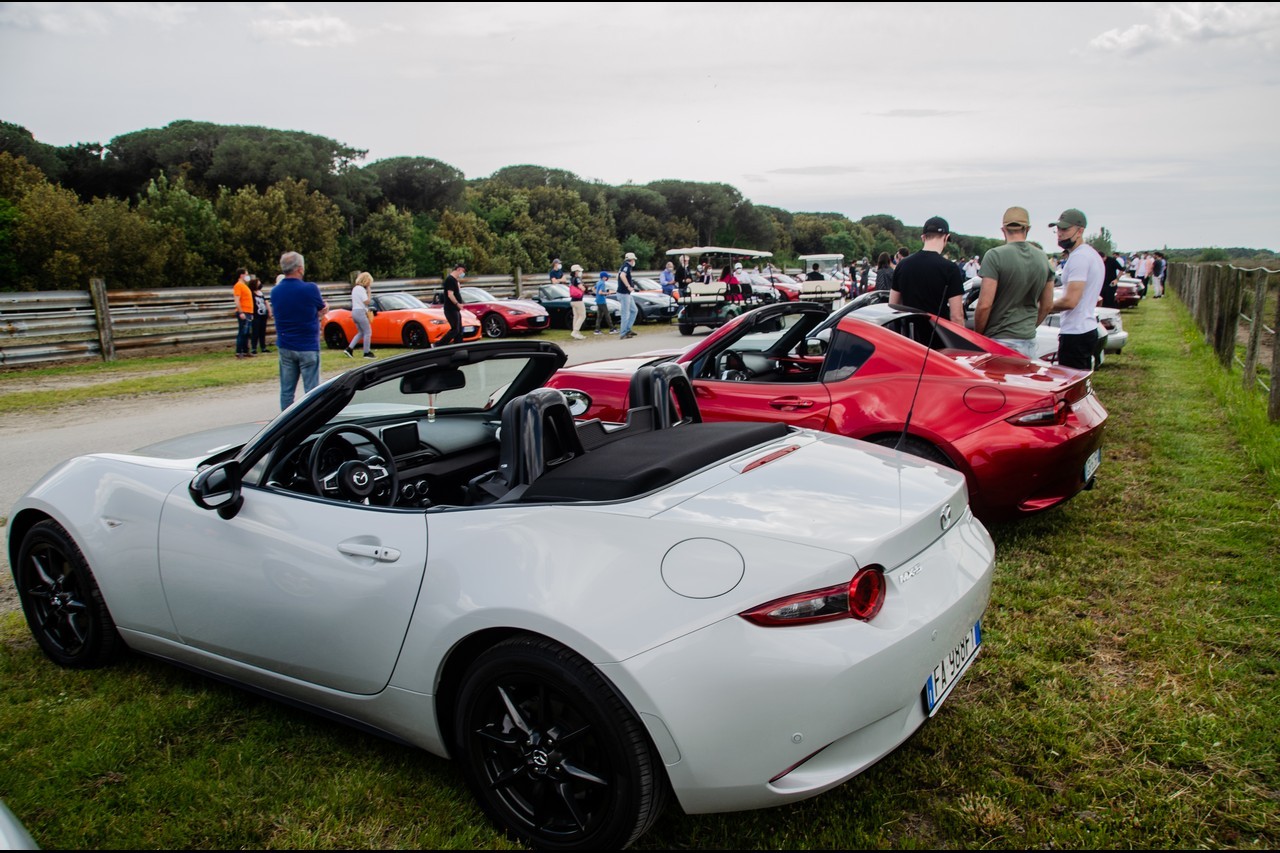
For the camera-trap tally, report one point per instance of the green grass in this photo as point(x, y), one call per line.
point(1125, 698)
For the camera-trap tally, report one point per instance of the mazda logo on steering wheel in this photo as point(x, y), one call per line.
point(360, 478)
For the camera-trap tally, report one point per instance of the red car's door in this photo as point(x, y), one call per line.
point(798, 404)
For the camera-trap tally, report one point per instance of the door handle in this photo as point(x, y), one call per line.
point(790, 404)
point(377, 552)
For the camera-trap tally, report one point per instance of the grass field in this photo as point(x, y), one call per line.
point(1125, 697)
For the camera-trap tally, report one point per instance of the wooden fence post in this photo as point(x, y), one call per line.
point(102, 314)
point(1273, 402)
point(519, 287)
point(1255, 331)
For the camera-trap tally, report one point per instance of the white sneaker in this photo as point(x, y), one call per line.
point(578, 337)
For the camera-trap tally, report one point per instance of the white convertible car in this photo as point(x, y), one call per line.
point(761, 612)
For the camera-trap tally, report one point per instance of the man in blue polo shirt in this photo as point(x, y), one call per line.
point(297, 306)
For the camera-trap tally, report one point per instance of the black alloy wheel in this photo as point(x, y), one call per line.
point(60, 597)
point(335, 337)
point(916, 447)
point(554, 755)
point(414, 336)
point(494, 326)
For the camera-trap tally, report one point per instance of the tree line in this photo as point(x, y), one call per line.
point(186, 204)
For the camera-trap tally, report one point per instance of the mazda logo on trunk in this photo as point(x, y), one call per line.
point(944, 517)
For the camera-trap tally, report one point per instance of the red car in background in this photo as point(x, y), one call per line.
point(1128, 292)
point(500, 317)
point(1027, 435)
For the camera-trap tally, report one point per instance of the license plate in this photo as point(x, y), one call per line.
point(1091, 464)
point(938, 684)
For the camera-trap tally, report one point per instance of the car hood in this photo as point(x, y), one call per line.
point(899, 505)
point(524, 305)
point(621, 366)
point(200, 445)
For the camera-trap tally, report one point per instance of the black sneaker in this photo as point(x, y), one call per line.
point(347, 353)
point(369, 355)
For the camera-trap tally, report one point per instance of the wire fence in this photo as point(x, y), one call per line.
point(1238, 311)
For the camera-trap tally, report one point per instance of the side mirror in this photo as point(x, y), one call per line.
point(579, 401)
point(218, 488)
point(814, 346)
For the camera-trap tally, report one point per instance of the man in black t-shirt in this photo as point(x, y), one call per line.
point(1110, 279)
point(927, 280)
point(452, 299)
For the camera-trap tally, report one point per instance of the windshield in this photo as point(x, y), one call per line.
point(399, 302)
point(483, 384)
point(476, 294)
point(553, 291)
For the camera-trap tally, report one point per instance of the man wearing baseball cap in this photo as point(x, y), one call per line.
point(1017, 287)
point(928, 281)
point(1082, 277)
point(625, 298)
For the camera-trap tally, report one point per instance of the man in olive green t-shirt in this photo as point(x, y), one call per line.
point(1017, 287)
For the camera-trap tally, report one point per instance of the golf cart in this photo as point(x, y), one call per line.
point(709, 304)
point(830, 289)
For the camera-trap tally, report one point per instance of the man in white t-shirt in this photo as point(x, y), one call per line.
point(1082, 277)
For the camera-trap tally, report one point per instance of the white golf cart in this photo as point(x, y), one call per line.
point(830, 289)
point(710, 304)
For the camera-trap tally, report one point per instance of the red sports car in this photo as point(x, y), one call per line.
point(499, 317)
point(1026, 434)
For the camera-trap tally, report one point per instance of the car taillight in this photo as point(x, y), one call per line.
point(861, 598)
point(1050, 414)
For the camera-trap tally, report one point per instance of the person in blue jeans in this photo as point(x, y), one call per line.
point(602, 305)
point(297, 306)
point(628, 302)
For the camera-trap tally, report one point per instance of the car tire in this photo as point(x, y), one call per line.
point(414, 336)
point(599, 789)
point(335, 337)
point(60, 597)
point(494, 326)
point(686, 329)
point(916, 447)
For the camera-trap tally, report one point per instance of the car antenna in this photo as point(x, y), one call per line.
point(928, 348)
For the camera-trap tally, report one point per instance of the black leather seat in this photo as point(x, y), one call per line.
point(654, 384)
point(538, 434)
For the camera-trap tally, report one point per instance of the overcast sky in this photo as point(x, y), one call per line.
point(1161, 121)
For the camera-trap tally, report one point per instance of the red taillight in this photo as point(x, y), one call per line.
point(1050, 414)
point(861, 598)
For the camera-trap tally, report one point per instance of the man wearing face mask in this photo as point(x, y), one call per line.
point(1082, 275)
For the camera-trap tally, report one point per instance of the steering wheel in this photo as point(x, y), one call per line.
point(355, 480)
point(733, 366)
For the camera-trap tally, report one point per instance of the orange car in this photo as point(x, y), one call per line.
point(401, 320)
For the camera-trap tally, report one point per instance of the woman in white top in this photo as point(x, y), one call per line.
point(360, 311)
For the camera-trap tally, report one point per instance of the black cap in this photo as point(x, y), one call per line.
point(936, 225)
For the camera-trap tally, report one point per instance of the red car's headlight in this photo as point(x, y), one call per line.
point(861, 598)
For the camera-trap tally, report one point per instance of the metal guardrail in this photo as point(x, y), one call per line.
point(47, 327)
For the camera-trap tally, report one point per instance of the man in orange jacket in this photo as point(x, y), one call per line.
point(244, 312)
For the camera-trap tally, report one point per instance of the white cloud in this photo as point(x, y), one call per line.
point(78, 18)
point(323, 31)
point(1192, 23)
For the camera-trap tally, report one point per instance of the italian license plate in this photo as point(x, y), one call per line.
point(946, 674)
point(1091, 464)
